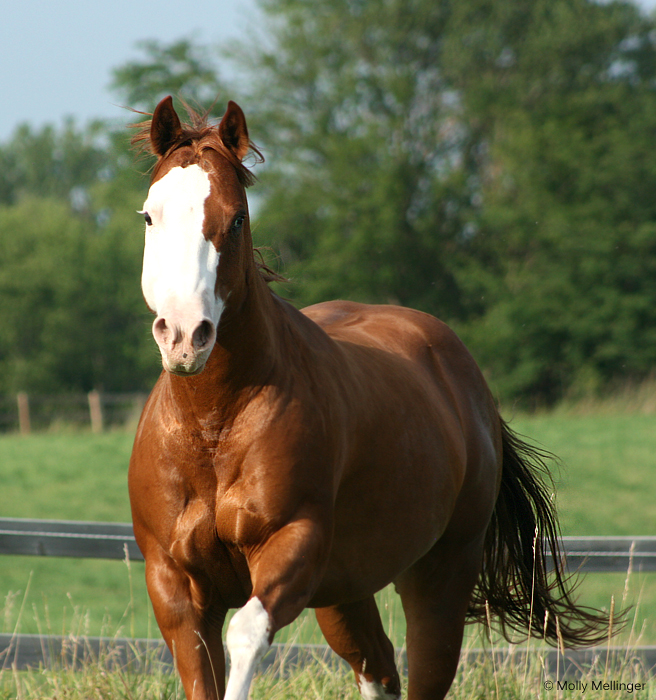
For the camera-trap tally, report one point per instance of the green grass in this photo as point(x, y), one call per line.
point(476, 679)
point(70, 476)
point(605, 486)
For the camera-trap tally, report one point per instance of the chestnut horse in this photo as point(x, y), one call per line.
point(289, 459)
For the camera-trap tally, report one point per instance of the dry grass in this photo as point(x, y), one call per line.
point(506, 674)
point(514, 677)
point(630, 398)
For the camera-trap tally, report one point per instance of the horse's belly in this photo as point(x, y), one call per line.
point(364, 572)
point(382, 535)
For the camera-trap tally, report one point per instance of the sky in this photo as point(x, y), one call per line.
point(57, 55)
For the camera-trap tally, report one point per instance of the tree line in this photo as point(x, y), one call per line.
point(486, 161)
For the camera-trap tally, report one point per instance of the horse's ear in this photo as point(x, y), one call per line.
point(233, 131)
point(165, 128)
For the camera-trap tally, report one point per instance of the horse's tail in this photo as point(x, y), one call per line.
point(517, 584)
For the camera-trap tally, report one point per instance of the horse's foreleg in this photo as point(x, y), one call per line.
point(192, 630)
point(355, 632)
point(285, 572)
point(248, 640)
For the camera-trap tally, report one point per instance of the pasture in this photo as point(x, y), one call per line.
point(322, 681)
point(605, 486)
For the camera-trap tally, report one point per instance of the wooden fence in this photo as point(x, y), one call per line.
point(33, 412)
point(62, 538)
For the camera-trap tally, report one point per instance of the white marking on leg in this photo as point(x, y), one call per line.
point(370, 690)
point(247, 641)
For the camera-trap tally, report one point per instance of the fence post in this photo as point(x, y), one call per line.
point(95, 411)
point(23, 413)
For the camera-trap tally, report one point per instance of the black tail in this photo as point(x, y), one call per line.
point(517, 584)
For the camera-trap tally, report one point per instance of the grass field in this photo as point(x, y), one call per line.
point(605, 486)
point(477, 680)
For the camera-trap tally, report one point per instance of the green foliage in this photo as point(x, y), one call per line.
point(53, 163)
point(70, 258)
point(71, 309)
point(73, 316)
point(358, 135)
point(565, 213)
point(485, 161)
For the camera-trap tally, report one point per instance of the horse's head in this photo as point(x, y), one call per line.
point(197, 231)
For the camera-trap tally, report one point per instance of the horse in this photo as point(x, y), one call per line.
point(290, 459)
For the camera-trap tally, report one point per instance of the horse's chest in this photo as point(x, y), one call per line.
point(217, 512)
point(240, 519)
point(192, 538)
point(198, 549)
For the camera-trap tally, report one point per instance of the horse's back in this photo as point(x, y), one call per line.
point(421, 342)
point(414, 335)
point(393, 328)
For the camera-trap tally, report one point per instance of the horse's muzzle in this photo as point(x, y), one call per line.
point(185, 347)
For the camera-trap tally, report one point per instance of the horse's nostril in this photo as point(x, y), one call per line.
point(203, 335)
point(161, 331)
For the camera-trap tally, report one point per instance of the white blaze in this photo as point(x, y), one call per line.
point(179, 269)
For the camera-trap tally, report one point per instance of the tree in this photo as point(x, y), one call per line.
point(70, 257)
point(70, 303)
point(485, 160)
point(562, 97)
point(71, 244)
point(52, 162)
point(357, 122)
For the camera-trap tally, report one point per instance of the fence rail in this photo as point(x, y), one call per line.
point(68, 538)
point(33, 651)
point(65, 538)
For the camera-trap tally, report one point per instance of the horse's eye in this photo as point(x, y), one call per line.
point(146, 216)
point(238, 222)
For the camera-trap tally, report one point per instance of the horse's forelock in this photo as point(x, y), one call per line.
point(200, 134)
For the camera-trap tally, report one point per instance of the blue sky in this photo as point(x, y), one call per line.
point(57, 55)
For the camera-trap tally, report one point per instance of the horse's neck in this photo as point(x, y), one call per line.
point(246, 355)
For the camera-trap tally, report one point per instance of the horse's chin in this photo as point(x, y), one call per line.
point(184, 369)
point(183, 372)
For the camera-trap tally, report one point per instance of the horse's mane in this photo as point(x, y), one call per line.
point(201, 134)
